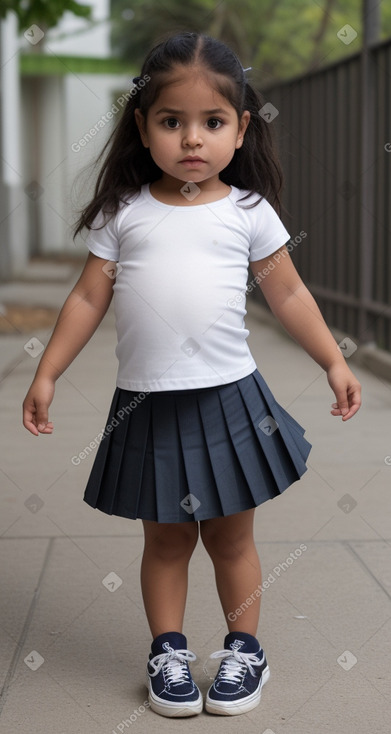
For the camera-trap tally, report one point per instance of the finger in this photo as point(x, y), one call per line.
point(30, 426)
point(353, 405)
point(355, 402)
point(355, 396)
point(29, 422)
point(342, 404)
point(41, 416)
point(353, 410)
point(46, 429)
point(29, 419)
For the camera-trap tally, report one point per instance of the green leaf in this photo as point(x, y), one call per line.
point(46, 13)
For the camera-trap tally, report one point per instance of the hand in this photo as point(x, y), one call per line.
point(36, 405)
point(347, 390)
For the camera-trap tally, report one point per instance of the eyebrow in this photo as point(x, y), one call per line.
point(170, 111)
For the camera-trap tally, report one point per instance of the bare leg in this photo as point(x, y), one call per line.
point(164, 570)
point(230, 544)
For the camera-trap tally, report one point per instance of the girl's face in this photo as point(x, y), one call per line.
point(190, 119)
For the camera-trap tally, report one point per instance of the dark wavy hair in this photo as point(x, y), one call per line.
point(128, 164)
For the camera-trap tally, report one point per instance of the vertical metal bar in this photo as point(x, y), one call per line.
point(343, 192)
point(387, 182)
point(354, 105)
point(370, 36)
point(380, 250)
point(328, 233)
point(334, 152)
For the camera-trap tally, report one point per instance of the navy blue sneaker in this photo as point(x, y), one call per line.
point(172, 691)
point(236, 688)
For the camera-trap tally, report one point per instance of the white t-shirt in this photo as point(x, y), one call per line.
point(180, 290)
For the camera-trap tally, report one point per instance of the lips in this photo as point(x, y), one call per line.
point(191, 158)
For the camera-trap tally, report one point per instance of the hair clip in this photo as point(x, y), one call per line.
point(248, 69)
point(136, 79)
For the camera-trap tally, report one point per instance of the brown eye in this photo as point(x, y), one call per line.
point(169, 120)
point(215, 120)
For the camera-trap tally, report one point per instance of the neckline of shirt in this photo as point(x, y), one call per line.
point(145, 190)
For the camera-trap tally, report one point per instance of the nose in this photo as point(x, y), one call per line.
point(192, 136)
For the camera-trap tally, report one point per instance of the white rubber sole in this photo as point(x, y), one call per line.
point(172, 710)
point(233, 708)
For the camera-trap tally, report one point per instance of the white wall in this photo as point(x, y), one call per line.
point(74, 36)
point(74, 104)
point(76, 125)
point(42, 148)
point(84, 111)
point(13, 204)
point(57, 114)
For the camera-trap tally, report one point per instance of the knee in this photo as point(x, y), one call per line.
point(173, 543)
point(222, 546)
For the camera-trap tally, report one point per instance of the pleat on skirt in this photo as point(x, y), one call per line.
point(189, 455)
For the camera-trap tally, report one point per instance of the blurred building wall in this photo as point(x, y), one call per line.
point(67, 120)
point(74, 36)
point(54, 120)
point(13, 207)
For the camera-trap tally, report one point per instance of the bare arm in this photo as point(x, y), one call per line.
point(79, 317)
point(293, 305)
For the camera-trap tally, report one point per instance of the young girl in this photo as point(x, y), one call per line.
point(194, 439)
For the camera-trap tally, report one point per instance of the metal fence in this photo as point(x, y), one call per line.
point(334, 133)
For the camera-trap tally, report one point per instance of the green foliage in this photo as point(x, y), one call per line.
point(278, 38)
point(44, 12)
point(131, 37)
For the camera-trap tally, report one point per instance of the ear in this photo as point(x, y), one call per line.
point(140, 121)
point(243, 124)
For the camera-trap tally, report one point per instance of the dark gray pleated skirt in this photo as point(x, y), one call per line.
point(189, 455)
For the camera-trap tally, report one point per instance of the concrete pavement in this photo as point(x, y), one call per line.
point(73, 636)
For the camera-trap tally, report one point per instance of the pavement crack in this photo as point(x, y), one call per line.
point(368, 571)
point(26, 627)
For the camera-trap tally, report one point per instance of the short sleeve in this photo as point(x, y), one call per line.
point(104, 242)
point(268, 231)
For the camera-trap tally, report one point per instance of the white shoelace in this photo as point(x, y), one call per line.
point(174, 665)
point(236, 664)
